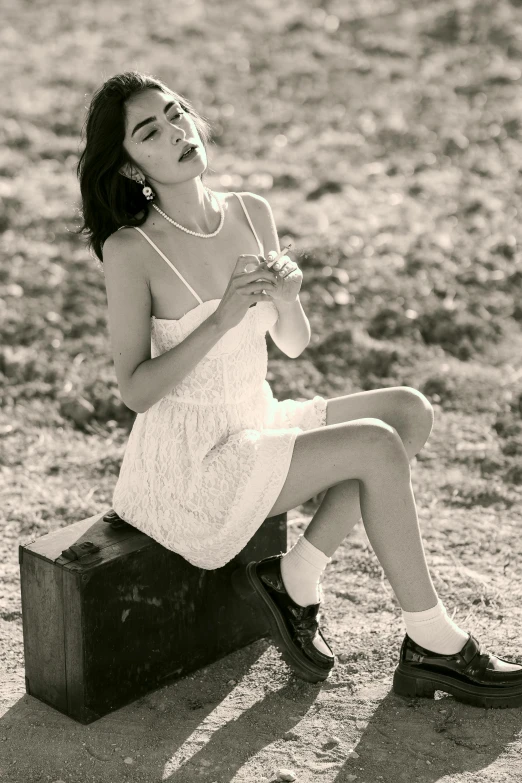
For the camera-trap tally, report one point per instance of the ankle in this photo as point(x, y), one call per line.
point(434, 630)
point(301, 569)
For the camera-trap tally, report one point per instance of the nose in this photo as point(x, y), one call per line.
point(177, 134)
point(177, 140)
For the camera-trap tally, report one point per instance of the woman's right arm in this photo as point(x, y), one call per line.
point(143, 381)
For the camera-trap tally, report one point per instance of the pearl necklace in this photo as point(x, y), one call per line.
point(196, 233)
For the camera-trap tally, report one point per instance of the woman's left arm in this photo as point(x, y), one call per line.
point(291, 332)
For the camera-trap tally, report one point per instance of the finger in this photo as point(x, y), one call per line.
point(288, 268)
point(291, 277)
point(257, 275)
point(280, 263)
point(274, 256)
point(260, 272)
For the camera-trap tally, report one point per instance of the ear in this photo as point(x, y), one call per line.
point(128, 171)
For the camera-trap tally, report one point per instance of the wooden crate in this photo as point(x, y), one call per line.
point(128, 614)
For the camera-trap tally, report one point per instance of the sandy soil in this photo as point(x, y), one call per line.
point(247, 717)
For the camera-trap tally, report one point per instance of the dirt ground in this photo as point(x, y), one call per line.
point(246, 718)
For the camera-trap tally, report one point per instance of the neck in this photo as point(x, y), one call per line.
point(189, 204)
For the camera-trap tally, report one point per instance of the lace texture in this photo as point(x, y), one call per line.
point(204, 466)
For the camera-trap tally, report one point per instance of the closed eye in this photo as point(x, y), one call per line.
point(153, 132)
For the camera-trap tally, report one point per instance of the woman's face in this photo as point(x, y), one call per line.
point(156, 134)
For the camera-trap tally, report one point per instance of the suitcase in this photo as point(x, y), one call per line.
point(109, 614)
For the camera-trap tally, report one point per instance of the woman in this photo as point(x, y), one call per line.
point(212, 453)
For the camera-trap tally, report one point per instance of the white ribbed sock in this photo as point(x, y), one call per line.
point(301, 569)
point(434, 630)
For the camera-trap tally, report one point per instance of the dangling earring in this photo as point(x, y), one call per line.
point(147, 190)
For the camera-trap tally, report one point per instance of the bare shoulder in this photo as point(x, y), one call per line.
point(123, 265)
point(123, 249)
point(254, 200)
point(118, 238)
point(115, 241)
point(261, 215)
point(259, 210)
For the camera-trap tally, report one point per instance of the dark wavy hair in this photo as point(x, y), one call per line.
point(110, 200)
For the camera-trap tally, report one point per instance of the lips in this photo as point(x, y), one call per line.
point(185, 148)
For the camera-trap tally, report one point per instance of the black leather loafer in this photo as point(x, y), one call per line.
point(294, 628)
point(472, 675)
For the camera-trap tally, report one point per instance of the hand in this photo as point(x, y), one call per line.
point(243, 290)
point(288, 278)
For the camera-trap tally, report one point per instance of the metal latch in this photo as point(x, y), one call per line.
point(115, 521)
point(76, 551)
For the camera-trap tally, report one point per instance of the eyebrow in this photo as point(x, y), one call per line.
point(151, 119)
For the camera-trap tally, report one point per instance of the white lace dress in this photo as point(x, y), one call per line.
point(204, 465)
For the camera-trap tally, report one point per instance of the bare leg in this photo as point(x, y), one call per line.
point(390, 519)
point(339, 512)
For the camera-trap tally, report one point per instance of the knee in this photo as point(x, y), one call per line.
point(417, 408)
point(379, 449)
point(387, 452)
point(385, 441)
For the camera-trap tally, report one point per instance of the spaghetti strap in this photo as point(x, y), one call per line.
point(169, 263)
point(251, 224)
point(172, 265)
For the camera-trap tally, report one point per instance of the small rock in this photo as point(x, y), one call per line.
point(351, 777)
point(232, 682)
point(343, 657)
point(285, 774)
point(205, 763)
point(331, 742)
point(353, 754)
point(290, 735)
point(351, 669)
point(128, 760)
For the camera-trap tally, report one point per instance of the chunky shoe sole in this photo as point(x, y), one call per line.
point(247, 584)
point(418, 683)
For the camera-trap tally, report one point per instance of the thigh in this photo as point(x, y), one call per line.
point(396, 406)
point(402, 407)
point(325, 456)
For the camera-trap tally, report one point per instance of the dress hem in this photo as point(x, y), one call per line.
point(252, 503)
point(266, 501)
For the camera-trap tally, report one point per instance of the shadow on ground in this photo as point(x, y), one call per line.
point(230, 721)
